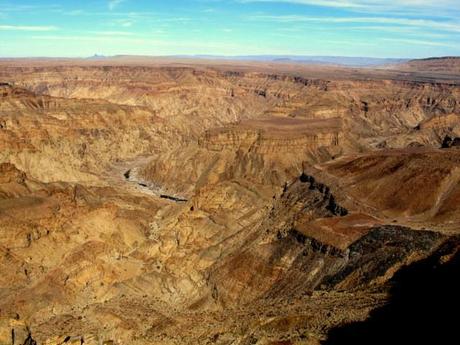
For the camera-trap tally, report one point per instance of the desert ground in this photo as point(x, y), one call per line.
point(185, 201)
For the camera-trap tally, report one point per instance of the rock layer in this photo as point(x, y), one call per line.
point(196, 205)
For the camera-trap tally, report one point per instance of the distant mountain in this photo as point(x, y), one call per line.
point(328, 60)
point(439, 59)
point(446, 64)
point(301, 59)
point(97, 57)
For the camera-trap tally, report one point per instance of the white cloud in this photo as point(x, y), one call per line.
point(73, 12)
point(21, 8)
point(421, 23)
point(126, 23)
point(374, 4)
point(94, 37)
point(114, 3)
point(113, 33)
point(405, 30)
point(27, 28)
point(417, 42)
point(324, 3)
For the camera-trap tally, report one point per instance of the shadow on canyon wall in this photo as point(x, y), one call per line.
point(423, 308)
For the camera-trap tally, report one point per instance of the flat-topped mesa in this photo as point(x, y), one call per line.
point(448, 64)
point(275, 134)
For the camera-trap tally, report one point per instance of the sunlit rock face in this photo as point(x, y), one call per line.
point(202, 204)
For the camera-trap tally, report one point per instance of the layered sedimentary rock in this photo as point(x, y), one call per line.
point(275, 135)
point(181, 205)
point(416, 185)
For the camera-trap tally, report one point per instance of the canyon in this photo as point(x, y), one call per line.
point(151, 201)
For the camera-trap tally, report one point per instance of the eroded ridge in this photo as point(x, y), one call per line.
point(225, 204)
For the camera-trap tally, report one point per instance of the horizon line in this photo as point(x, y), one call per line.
point(236, 56)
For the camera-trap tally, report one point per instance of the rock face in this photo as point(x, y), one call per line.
point(450, 142)
point(409, 308)
point(14, 331)
point(199, 205)
point(415, 186)
point(275, 135)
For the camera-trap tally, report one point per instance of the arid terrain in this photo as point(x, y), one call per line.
point(155, 201)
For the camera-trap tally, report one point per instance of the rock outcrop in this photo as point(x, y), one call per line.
point(142, 204)
point(449, 142)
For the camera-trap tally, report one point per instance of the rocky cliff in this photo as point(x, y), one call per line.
point(199, 205)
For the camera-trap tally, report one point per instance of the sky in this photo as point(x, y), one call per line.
point(370, 28)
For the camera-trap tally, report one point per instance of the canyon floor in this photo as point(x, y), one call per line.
point(155, 201)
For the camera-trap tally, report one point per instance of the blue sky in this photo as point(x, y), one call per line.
point(374, 28)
